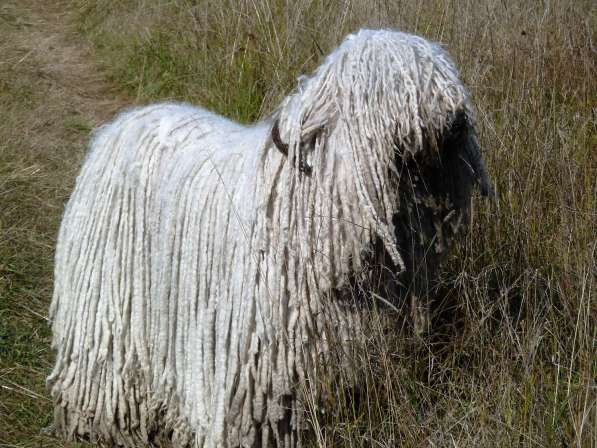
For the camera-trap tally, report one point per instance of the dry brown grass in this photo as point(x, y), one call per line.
point(511, 361)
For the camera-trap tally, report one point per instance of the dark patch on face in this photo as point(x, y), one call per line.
point(435, 188)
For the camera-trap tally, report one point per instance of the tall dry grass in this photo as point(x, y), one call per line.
point(512, 357)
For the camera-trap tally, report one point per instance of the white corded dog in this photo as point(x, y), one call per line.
point(202, 266)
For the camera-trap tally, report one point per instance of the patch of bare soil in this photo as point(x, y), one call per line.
point(42, 43)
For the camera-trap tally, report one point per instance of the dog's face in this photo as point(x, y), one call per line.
point(435, 188)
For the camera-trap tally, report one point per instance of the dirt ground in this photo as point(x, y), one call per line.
point(52, 94)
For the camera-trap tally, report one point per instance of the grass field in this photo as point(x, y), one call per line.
point(512, 358)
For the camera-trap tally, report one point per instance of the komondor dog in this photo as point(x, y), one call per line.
point(204, 268)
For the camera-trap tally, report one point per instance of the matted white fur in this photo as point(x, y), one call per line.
point(196, 265)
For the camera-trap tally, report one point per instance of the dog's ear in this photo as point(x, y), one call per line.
point(304, 167)
point(298, 124)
